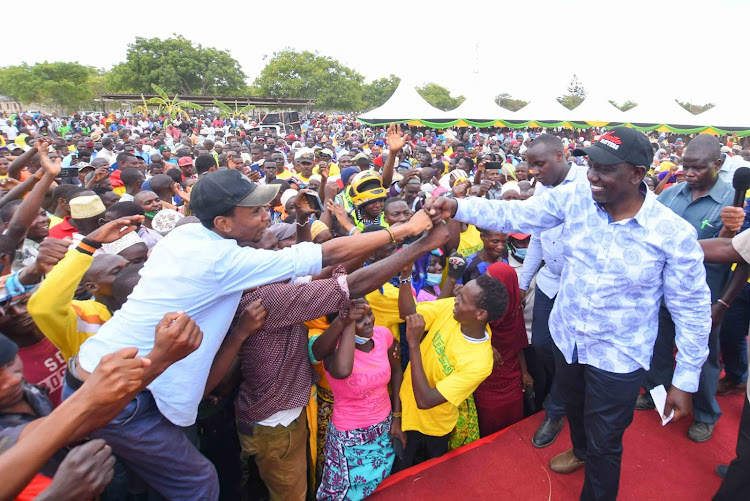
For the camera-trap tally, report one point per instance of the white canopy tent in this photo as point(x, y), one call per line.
point(736, 115)
point(597, 111)
point(543, 110)
point(404, 105)
point(480, 109)
point(662, 111)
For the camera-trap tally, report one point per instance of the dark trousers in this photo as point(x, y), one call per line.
point(736, 484)
point(599, 406)
point(733, 337)
point(158, 451)
point(705, 407)
point(541, 341)
point(420, 448)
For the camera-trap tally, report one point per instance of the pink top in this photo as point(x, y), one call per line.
point(362, 399)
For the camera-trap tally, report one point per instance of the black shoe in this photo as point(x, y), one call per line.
point(644, 403)
point(700, 432)
point(722, 469)
point(547, 432)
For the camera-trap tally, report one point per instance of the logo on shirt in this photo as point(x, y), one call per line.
point(439, 344)
point(609, 139)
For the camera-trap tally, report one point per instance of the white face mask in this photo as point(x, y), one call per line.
point(433, 278)
point(360, 339)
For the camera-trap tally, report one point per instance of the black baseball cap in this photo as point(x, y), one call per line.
point(217, 192)
point(620, 144)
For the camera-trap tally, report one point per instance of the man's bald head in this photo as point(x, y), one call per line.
point(705, 147)
point(100, 162)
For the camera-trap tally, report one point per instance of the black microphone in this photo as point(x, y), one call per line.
point(741, 183)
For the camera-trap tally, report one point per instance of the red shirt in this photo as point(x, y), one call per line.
point(63, 229)
point(43, 365)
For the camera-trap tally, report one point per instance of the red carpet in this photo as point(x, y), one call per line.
point(658, 463)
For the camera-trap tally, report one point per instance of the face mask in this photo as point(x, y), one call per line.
point(360, 339)
point(433, 278)
point(520, 253)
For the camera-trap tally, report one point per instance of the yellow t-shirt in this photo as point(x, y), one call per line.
point(452, 364)
point(284, 175)
point(53, 220)
point(314, 329)
point(385, 308)
point(470, 242)
point(333, 170)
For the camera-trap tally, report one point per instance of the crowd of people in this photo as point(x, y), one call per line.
point(203, 309)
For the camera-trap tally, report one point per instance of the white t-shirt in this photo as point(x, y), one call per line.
point(196, 271)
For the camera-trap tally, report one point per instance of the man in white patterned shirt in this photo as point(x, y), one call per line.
point(623, 251)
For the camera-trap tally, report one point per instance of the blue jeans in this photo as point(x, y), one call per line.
point(733, 337)
point(158, 451)
point(705, 407)
point(599, 406)
point(541, 341)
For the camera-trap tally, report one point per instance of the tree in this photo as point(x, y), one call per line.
point(63, 86)
point(308, 75)
point(695, 108)
point(177, 66)
point(227, 112)
point(173, 108)
point(439, 97)
point(379, 91)
point(506, 101)
point(627, 105)
point(576, 94)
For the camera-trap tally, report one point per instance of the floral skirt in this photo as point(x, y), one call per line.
point(325, 409)
point(356, 461)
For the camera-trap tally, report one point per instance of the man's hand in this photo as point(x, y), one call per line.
point(51, 251)
point(8, 183)
point(437, 236)
point(395, 140)
point(114, 230)
point(254, 176)
point(324, 169)
point(409, 175)
point(732, 218)
point(717, 314)
point(441, 208)
point(331, 190)
point(118, 375)
point(456, 265)
point(414, 329)
point(357, 311)
point(100, 173)
point(50, 167)
point(177, 336)
point(680, 401)
point(484, 187)
point(396, 431)
point(84, 473)
point(302, 206)
point(251, 319)
point(526, 380)
point(42, 145)
point(418, 223)
point(460, 189)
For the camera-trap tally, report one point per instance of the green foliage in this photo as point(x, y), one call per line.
point(576, 94)
point(695, 108)
point(177, 66)
point(227, 112)
point(506, 101)
point(308, 75)
point(439, 97)
point(627, 105)
point(173, 108)
point(379, 91)
point(63, 86)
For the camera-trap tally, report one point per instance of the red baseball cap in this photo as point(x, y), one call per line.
point(184, 161)
point(519, 236)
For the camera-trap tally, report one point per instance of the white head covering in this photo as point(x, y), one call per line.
point(119, 245)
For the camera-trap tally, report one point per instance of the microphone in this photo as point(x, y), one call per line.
point(741, 183)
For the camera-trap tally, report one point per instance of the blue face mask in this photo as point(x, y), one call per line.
point(433, 278)
point(520, 253)
point(361, 340)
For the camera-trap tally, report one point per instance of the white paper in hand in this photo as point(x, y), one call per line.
point(659, 394)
